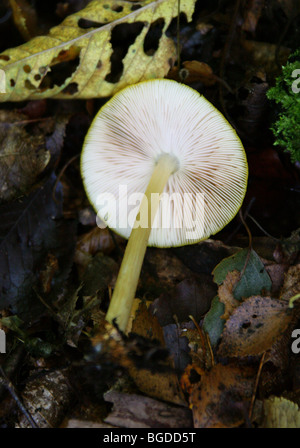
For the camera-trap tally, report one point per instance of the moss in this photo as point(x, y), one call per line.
point(286, 93)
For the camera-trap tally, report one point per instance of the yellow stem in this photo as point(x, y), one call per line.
point(125, 288)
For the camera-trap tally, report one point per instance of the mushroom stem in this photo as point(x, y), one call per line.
point(125, 288)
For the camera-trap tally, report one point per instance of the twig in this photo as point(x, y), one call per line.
point(203, 339)
point(256, 385)
point(249, 244)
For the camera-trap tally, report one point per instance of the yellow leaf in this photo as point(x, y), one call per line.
point(281, 413)
point(95, 52)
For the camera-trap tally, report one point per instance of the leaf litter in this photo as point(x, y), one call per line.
point(209, 341)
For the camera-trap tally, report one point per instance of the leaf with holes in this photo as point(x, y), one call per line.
point(254, 326)
point(95, 52)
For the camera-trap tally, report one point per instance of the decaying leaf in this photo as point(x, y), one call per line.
point(254, 326)
point(99, 274)
point(192, 296)
point(163, 270)
point(198, 343)
point(116, 352)
point(221, 398)
point(254, 279)
point(95, 52)
point(47, 398)
point(137, 411)
point(225, 293)
point(213, 323)
point(252, 14)
point(291, 285)
point(162, 385)
point(177, 344)
point(280, 413)
point(193, 71)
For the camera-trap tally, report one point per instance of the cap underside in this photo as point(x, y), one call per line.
point(127, 137)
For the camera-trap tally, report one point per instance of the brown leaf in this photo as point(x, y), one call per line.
point(191, 376)
point(276, 272)
point(193, 71)
point(225, 293)
point(200, 352)
point(291, 285)
point(192, 296)
point(47, 398)
point(161, 385)
point(89, 244)
point(254, 326)
point(221, 398)
point(252, 14)
point(164, 267)
point(26, 153)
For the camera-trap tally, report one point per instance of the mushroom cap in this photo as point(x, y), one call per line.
point(126, 139)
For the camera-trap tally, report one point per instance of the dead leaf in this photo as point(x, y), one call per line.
point(291, 285)
point(254, 326)
point(192, 296)
point(198, 344)
point(276, 272)
point(165, 268)
point(191, 376)
point(177, 344)
point(193, 71)
point(280, 413)
point(97, 240)
point(95, 52)
point(221, 398)
point(252, 14)
point(47, 398)
point(225, 293)
point(26, 151)
point(162, 385)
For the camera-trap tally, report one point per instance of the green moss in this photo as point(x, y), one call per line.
point(286, 93)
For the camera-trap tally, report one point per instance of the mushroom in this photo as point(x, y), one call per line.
point(162, 145)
